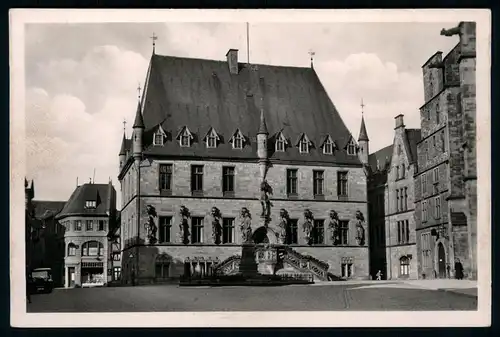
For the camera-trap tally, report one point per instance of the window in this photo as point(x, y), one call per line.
point(397, 200)
point(397, 172)
point(237, 141)
point(437, 209)
point(436, 175)
point(292, 238)
point(318, 182)
point(185, 139)
point(78, 225)
point(117, 273)
point(403, 232)
point(89, 225)
point(197, 230)
point(424, 183)
point(399, 149)
point(442, 141)
point(116, 256)
point(166, 177)
point(426, 146)
point(92, 248)
point(197, 178)
point(425, 239)
point(303, 145)
point(342, 184)
point(424, 211)
point(319, 232)
point(158, 139)
point(434, 142)
point(438, 117)
point(228, 180)
point(399, 232)
point(351, 148)
point(90, 204)
point(346, 270)
point(280, 143)
point(71, 249)
point(212, 140)
point(228, 230)
point(404, 264)
point(406, 199)
point(403, 171)
point(344, 232)
point(162, 267)
point(291, 182)
point(101, 225)
point(328, 146)
point(165, 226)
point(407, 231)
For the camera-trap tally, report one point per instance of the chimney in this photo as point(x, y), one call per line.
point(232, 61)
point(399, 121)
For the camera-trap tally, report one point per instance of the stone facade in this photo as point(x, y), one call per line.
point(445, 196)
point(246, 194)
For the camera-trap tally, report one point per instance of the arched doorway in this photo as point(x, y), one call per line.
point(441, 261)
point(404, 267)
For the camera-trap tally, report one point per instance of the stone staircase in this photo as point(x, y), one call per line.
point(288, 262)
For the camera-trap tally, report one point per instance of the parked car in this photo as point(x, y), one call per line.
point(41, 279)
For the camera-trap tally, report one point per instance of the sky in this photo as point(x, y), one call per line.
point(82, 79)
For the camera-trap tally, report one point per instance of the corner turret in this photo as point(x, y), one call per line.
point(363, 142)
point(262, 145)
point(138, 133)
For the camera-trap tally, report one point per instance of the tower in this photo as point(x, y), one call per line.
point(137, 134)
point(262, 146)
point(123, 152)
point(363, 141)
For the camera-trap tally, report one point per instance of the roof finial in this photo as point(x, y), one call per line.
point(154, 38)
point(139, 91)
point(124, 125)
point(312, 53)
point(362, 106)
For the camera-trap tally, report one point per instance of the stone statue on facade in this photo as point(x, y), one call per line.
point(184, 225)
point(150, 226)
point(308, 226)
point(283, 225)
point(265, 191)
point(334, 226)
point(245, 225)
point(360, 230)
point(216, 225)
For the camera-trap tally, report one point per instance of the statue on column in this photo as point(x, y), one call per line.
point(360, 230)
point(216, 225)
point(334, 226)
point(245, 225)
point(184, 225)
point(265, 191)
point(283, 226)
point(150, 226)
point(308, 226)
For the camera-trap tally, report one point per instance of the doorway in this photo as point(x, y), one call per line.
point(71, 277)
point(441, 261)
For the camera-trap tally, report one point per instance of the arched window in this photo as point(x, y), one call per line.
point(71, 249)
point(92, 248)
point(404, 265)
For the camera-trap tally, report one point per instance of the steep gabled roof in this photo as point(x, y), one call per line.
point(197, 93)
point(139, 121)
point(383, 156)
point(103, 194)
point(123, 148)
point(412, 138)
point(45, 209)
point(363, 135)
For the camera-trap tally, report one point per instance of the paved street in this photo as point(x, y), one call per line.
point(342, 296)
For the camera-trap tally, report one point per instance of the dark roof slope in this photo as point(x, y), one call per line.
point(383, 156)
point(103, 194)
point(363, 135)
point(45, 209)
point(201, 94)
point(413, 137)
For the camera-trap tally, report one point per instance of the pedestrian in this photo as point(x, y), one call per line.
point(459, 270)
point(379, 275)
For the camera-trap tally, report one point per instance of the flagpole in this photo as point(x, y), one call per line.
point(248, 44)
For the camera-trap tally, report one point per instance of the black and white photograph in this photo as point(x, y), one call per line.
point(204, 168)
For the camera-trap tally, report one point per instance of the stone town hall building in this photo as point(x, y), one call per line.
point(224, 153)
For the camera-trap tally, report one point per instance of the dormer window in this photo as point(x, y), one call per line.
point(238, 140)
point(90, 204)
point(328, 145)
point(158, 139)
point(281, 143)
point(351, 148)
point(185, 137)
point(304, 144)
point(211, 138)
